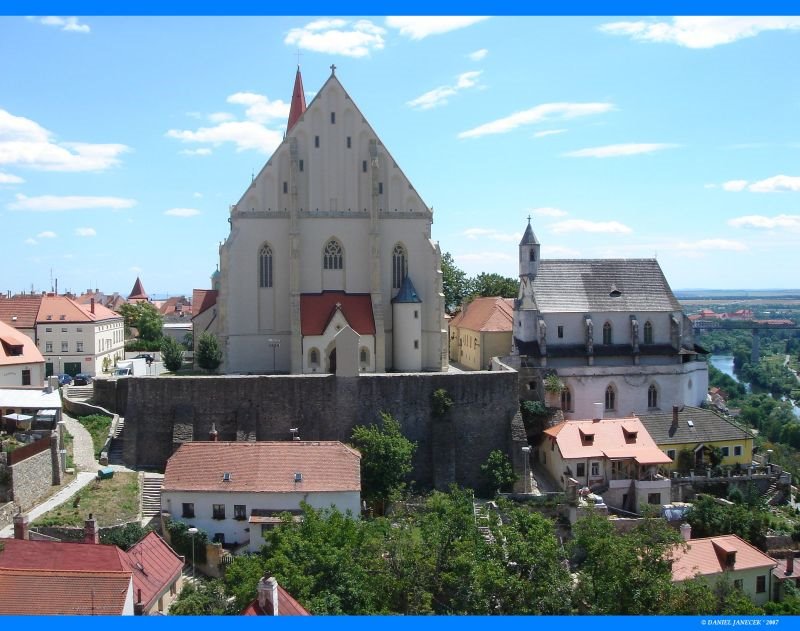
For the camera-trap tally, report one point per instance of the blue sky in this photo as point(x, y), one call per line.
point(124, 140)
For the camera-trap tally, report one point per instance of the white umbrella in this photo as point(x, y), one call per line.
point(18, 417)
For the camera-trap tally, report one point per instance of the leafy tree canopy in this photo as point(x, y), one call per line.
point(171, 354)
point(209, 355)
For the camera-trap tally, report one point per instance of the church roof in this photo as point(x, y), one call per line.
point(529, 238)
point(138, 292)
point(316, 311)
point(597, 285)
point(407, 292)
point(298, 101)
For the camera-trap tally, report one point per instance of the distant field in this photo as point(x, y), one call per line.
point(761, 295)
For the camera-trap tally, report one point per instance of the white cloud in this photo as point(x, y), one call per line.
point(478, 54)
point(615, 151)
point(338, 37)
point(259, 108)
point(545, 111)
point(220, 117)
point(552, 251)
point(244, 134)
point(202, 151)
point(709, 186)
point(774, 184)
point(47, 234)
point(547, 211)
point(182, 212)
point(484, 257)
point(779, 222)
point(583, 225)
point(69, 24)
point(136, 270)
point(30, 241)
point(712, 244)
point(197, 195)
point(7, 178)
point(85, 232)
point(700, 32)
point(420, 27)
point(26, 143)
point(548, 132)
point(438, 96)
point(53, 203)
point(735, 185)
point(474, 234)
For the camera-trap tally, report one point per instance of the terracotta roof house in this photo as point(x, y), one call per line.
point(176, 307)
point(726, 556)
point(615, 458)
point(273, 600)
point(480, 331)
point(156, 570)
point(21, 313)
point(786, 572)
point(232, 489)
point(699, 430)
point(21, 363)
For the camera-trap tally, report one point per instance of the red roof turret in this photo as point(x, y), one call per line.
point(298, 101)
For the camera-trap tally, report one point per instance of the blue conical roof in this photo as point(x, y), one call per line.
point(407, 292)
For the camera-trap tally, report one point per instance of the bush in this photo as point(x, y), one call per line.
point(209, 355)
point(171, 354)
point(139, 346)
point(498, 471)
point(440, 403)
point(97, 425)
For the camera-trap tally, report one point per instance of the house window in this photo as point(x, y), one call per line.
point(333, 118)
point(654, 498)
point(218, 511)
point(399, 266)
point(79, 329)
point(64, 329)
point(265, 266)
point(49, 329)
point(611, 398)
point(648, 332)
point(240, 512)
point(416, 314)
point(48, 347)
point(595, 466)
point(313, 357)
point(416, 344)
point(607, 333)
point(348, 142)
point(737, 450)
point(761, 584)
point(79, 347)
point(560, 331)
point(671, 454)
point(364, 166)
point(726, 451)
point(380, 188)
point(580, 469)
point(188, 510)
point(652, 396)
point(300, 164)
point(566, 400)
point(26, 377)
point(286, 187)
point(316, 142)
point(364, 356)
point(332, 257)
point(65, 347)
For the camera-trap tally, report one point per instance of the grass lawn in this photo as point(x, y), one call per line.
point(111, 502)
point(98, 426)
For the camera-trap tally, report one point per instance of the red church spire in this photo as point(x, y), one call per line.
point(298, 101)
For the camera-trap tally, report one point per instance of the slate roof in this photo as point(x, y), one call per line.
point(268, 467)
point(24, 309)
point(155, 566)
point(486, 314)
point(586, 285)
point(529, 238)
point(708, 427)
point(316, 311)
point(707, 556)
point(407, 293)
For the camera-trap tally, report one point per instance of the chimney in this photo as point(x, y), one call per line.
point(91, 534)
point(268, 595)
point(686, 532)
point(91, 305)
point(20, 526)
point(213, 435)
point(138, 606)
point(598, 411)
point(674, 416)
point(789, 560)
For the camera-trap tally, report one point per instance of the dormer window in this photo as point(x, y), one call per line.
point(298, 477)
point(614, 293)
point(227, 476)
point(587, 438)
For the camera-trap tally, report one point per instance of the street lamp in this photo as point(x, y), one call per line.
point(193, 531)
point(274, 344)
point(526, 450)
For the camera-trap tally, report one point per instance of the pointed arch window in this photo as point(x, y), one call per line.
point(648, 332)
point(611, 398)
point(566, 400)
point(607, 333)
point(399, 265)
point(265, 266)
point(652, 396)
point(332, 256)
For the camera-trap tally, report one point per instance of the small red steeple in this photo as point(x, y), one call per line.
point(298, 101)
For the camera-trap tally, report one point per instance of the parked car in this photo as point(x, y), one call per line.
point(82, 379)
point(148, 356)
point(64, 380)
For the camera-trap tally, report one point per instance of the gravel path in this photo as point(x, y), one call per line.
point(82, 447)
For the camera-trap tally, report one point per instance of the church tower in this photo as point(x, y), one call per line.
point(529, 253)
point(526, 313)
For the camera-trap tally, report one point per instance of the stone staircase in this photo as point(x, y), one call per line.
point(151, 495)
point(481, 512)
point(80, 392)
point(117, 443)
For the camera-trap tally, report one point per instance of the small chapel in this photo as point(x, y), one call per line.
point(329, 264)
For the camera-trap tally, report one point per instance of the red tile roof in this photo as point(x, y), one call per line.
point(20, 312)
point(63, 309)
point(486, 314)
point(287, 606)
point(10, 338)
point(264, 467)
point(316, 311)
point(202, 300)
point(780, 569)
point(608, 439)
point(707, 556)
point(23, 554)
point(138, 292)
point(155, 566)
point(298, 101)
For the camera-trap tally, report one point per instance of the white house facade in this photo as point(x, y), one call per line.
point(330, 222)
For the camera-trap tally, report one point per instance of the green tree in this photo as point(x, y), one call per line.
point(386, 457)
point(171, 354)
point(709, 519)
point(206, 598)
point(241, 578)
point(498, 471)
point(441, 402)
point(143, 317)
point(490, 285)
point(209, 355)
point(188, 341)
point(124, 537)
point(455, 285)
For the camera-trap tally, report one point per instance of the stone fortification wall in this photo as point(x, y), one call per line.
point(111, 394)
point(166, 411)
point(32, 479)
